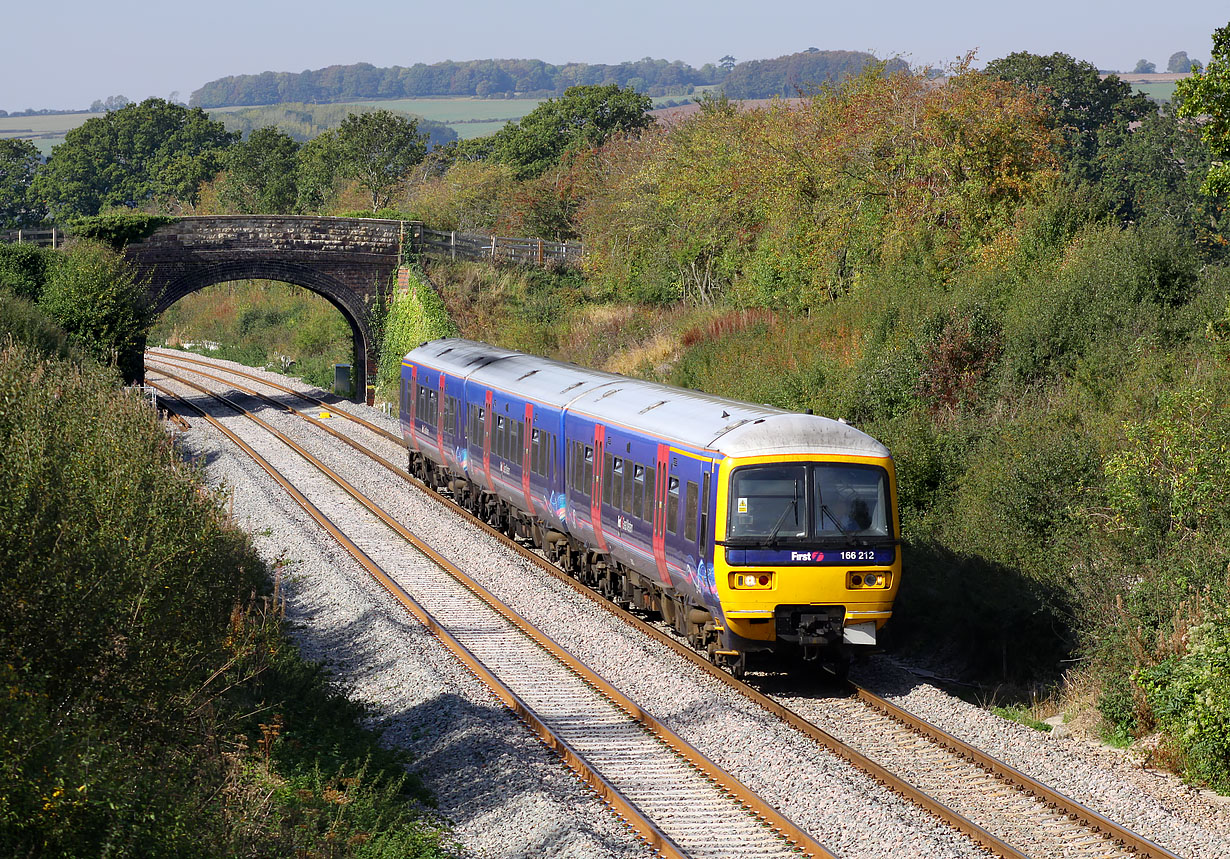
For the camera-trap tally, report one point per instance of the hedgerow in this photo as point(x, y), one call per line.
point(151, 705)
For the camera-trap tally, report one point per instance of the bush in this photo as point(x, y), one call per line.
point(24, 268)
point(118, 229)
point(1189, 698)
point(26, 324)
point(94, 294)
point(152, 706)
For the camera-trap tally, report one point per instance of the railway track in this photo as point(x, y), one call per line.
point(680, 803)
point(997, 806)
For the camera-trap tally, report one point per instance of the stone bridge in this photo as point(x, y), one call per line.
point(349, 261)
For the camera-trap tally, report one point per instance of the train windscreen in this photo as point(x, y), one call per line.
point(802, 501)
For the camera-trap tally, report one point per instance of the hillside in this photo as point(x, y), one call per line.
point(532, 78)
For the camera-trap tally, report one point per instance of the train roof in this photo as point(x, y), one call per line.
point(689, 418)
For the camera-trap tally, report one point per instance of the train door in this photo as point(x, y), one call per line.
point(659, 513)
point(441, 411)
point(595, 503)
point(527, 439)
point(412, 396)
point(488, 423)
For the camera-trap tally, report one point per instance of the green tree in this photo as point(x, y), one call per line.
point(583, 118)
point(262, 173)
point(1179, 63)
point(94, 294)
point(154, 151)
point(377, 150)
point(1206, 94)
point(19, 161)
point(318, 172)
point(1144, 67)
point(1081, 103)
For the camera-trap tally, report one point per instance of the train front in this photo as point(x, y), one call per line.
point(807, 538)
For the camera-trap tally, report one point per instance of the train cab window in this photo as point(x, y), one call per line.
point(404, 405)
point(638, 491)
point(587, 476)
point(672, 505)
point(689, 512)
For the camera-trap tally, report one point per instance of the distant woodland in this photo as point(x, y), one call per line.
point(505, 78)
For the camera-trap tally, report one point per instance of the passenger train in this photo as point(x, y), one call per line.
point(748, 528)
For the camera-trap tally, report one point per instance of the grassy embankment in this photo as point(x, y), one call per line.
point(153, 704)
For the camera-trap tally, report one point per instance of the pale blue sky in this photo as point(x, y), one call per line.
point(83, 51)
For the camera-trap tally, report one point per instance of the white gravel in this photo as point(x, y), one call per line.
point(504, 793)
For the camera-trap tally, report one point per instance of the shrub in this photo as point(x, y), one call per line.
point(24, 268)
point(94, 294)
point(118, 229)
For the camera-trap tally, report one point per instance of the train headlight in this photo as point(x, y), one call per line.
point(760, 581)
point(868, 579)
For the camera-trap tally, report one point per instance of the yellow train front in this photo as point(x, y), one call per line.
point(807, 552)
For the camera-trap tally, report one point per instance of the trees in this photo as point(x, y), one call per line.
point(1179, 63)
point(584, 117)
point(262, 173)
point(1081, 103)
point(377, 150)
point(1144, 67)
point(1207, 94)
point(19, 159)
point(153, 151)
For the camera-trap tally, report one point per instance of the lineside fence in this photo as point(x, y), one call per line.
point(476, 246)
point(44, 238)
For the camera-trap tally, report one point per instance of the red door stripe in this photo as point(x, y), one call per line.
point(595, 504)
point(527, 438)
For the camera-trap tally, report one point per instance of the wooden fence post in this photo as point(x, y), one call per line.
point(493, 248)
point(452, 241)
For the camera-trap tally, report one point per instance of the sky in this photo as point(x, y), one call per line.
point(83, 51)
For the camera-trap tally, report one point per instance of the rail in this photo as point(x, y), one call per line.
point(1142, 847)
point(766, 827)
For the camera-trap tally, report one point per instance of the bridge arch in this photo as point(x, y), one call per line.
point(346, 300)
point(351, 262)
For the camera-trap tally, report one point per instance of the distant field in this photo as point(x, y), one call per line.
point(45, 131)
point(1157, 91)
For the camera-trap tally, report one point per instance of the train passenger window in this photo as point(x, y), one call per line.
point(651, 497)
point(518, 441)
point(500, 437)
point(626, 506)
point(638, 491)
point(608, 478)
point(672, 505)
point(689, 512)
point(433, 408)
point(587, 477)
point(535, 452)
point(617, 484)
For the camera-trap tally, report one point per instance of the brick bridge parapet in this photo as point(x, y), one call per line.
point(349, 261)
